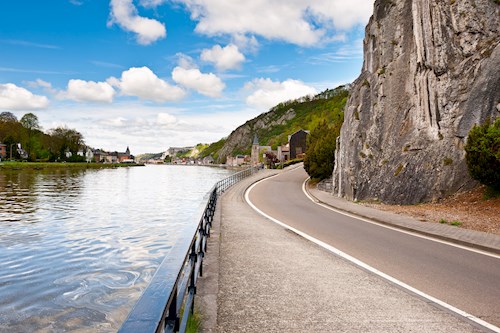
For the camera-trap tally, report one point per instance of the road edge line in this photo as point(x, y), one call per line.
point(359, 263)
point(473, 247)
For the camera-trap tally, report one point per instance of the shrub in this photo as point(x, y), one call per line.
point(483, 154)
point(320, 153)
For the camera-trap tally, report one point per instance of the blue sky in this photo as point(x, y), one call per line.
point(151, 74)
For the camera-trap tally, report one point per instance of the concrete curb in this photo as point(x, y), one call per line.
point(437, 235)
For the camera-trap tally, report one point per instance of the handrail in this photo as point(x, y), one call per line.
point(173, 286)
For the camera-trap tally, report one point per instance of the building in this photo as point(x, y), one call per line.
point(3, 150)
point(236, 161)
point(284, 153)
point(298, 144)
point(255, 150)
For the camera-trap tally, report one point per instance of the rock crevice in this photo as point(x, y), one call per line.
point(430, 73)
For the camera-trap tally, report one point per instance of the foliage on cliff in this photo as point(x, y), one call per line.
point(483, 154)
point(274, 126)
point(213, 149)
point(320, 153)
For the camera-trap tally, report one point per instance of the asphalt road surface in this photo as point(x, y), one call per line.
point(467, 280)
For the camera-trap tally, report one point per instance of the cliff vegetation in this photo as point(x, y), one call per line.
point(274, 126)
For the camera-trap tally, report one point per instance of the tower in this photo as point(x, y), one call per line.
point(255, 150)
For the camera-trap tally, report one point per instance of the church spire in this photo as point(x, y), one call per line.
point(255, 139)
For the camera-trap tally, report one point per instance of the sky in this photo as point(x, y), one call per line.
point(154, 74)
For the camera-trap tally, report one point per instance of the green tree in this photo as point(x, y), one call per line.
point(483, 154)
point(320, 153)
point(65, 139)
point(30, 122)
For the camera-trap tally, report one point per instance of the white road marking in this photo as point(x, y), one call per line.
point(416, 234)
point(367, 267)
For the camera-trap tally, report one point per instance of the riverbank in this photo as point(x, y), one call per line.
point(59, 165)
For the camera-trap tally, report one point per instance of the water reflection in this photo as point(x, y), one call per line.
point(78, 247)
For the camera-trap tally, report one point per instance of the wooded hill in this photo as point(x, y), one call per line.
point(274, 126)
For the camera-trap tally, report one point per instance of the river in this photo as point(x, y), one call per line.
point(77, 248)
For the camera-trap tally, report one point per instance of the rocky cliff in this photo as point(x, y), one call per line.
point(431, 71)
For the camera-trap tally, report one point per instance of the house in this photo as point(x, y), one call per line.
point(3, 150)
point(283, 152)
point(236, 160)
point(89, 155)
point(124, 156)
point(298, 143)
point(208, 160)
point(99, 155)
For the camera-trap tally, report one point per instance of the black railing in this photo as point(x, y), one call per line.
point(173, 286)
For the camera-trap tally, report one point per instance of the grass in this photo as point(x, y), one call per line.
point(193, 323)
point(58, 165)
point(453, 223)
point(491, 193)
point(447, 161)
point(398, 170)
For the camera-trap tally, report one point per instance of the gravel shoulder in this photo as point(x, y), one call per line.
point(468, 210)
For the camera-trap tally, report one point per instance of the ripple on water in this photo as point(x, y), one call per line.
point(78, 248)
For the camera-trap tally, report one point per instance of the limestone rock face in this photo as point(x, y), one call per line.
point(431, 71)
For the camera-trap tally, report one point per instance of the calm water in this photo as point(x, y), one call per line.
point(77, 248)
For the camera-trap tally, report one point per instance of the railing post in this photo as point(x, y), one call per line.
point(173, 317)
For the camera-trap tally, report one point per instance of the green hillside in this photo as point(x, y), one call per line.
point(327, 106)
point(274, 126)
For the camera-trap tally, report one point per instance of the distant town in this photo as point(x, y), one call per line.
point(293, 149)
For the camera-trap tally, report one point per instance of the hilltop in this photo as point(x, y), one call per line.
point(274, 126)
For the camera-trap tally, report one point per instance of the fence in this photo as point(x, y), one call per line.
point(173, 286)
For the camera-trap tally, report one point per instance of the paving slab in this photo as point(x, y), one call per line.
point(268, 279)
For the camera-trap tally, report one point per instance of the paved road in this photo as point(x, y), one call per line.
point(464, 279)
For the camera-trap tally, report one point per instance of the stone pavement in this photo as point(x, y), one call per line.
point(259, 277)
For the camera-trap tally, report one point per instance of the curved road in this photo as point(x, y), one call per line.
point(467, 280)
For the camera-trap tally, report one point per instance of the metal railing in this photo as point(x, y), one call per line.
point(173, 286)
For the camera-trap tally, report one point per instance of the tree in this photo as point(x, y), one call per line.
point(30, 122)
point(8, 117)
point(483, 154)
point(320, 153)
point(271, 159)
point(65, 139)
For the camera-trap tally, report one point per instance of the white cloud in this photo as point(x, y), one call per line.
point(13, 97)
point(114, 126)
point(166, 119)
point(39, 83)
point(225, 58)
point(267, 93)
point(88, 91)
point(143, 83)
point(246, 43)
point(301, 22)
point(151, 3)
point(124, 13)
point(206, 84)
point(185, 61)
